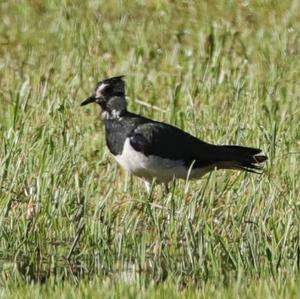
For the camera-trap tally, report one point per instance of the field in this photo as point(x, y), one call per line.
point(73, 224)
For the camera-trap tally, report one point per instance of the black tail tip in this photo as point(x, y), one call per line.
point(260, 158)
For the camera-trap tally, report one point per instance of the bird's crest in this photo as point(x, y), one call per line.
point(112, 80)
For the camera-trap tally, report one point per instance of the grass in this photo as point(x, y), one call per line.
point(226, 71)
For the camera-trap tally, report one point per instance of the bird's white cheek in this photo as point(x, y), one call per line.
point(100, 90)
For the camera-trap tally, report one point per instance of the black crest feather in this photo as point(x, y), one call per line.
point(111, 80)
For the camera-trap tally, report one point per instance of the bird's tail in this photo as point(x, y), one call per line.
point(239, 157)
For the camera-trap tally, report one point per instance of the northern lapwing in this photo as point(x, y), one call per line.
point(150, 149)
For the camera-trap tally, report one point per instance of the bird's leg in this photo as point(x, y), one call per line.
point(147, 186)
point(167, 189)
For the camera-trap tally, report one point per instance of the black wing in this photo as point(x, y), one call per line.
point(169, 142)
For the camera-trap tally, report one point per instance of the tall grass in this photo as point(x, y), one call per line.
point(225, 71)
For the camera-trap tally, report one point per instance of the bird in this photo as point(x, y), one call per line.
point(153, 150)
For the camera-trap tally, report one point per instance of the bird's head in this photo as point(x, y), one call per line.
point(109, 94)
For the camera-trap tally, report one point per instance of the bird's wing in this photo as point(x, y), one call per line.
point(169, 142)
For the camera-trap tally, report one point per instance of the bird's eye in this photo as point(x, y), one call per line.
point(107, 89)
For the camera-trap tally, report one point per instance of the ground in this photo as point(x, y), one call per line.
point(74, 224)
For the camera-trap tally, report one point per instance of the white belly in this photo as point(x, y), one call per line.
point(149, 167)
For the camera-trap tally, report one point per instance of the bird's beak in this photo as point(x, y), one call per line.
point(89, 100)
